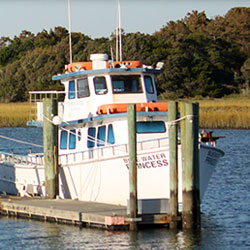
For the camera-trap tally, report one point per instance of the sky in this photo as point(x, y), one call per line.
point(98, 18)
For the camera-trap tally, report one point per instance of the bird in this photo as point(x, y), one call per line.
point(208, 137)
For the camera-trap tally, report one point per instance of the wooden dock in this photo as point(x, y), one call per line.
point(85, 214)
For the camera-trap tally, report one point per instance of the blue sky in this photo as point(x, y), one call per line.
point(98, 18)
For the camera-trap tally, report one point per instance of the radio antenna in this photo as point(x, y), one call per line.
point(119, 35)
point(70, 41)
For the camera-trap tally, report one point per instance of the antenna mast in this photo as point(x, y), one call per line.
point(119, 35)
point(70, 41)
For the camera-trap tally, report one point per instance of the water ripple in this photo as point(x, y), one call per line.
point(225, 219)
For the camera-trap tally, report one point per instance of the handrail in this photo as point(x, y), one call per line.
point(89, 154)
point(30, 160)
point(36, 98)
point(47, 92)
point(115, 150)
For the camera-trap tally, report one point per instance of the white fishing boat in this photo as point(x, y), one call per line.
point(93, 137)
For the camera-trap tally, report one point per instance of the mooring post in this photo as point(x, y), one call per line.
point(132, 166)
point(50, 145)
point(173, 155)
point(190, 166)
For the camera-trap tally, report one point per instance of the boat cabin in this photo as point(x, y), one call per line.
point(88, 85)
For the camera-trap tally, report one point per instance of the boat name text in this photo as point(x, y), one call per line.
point(212, 157)
point(149, 161)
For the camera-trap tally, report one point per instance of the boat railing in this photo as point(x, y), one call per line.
point(36, 103)
point(29, 160)
point(109, 152)
point(101, 153)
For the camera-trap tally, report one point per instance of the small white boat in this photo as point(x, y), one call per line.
point(93, 138)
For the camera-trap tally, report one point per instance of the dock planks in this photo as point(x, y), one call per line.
point(76, 212)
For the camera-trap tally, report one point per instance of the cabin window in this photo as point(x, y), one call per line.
point(79, 135)
point(111, 138)
point(72, 139)
point(149, 84)
point(91, 137)
point(72, 93)
point(150, 127)
point(101, 136)
point(100, 85)
point(126, 84)
point(64, 140)
point(82, 88)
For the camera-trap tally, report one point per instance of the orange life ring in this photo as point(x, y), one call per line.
point(77, 66)
point(127, 64)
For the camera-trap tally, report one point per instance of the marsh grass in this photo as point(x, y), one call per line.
point(223, 113)
point(14, 114)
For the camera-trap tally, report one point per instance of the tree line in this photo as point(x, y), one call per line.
point(202, 57)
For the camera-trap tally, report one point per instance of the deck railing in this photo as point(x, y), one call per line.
point(29, 160)
point(108, 152)
point(36, 105)
point(103, 153)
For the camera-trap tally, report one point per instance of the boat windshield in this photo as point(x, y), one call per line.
point(126, 84)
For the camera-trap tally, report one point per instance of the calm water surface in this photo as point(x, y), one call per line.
point(225, 220)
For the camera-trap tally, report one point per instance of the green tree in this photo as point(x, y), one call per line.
point(245, 69)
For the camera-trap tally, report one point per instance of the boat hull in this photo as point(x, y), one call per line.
point(104, 177)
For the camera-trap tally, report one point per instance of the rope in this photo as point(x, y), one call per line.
point(189, 117)
point(23, 142)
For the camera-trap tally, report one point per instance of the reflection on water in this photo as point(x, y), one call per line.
point(225, 219)
point(24, 234)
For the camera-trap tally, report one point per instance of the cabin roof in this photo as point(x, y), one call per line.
point(107, 70)
point(99, 117)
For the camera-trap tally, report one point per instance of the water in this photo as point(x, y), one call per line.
point(225, 219)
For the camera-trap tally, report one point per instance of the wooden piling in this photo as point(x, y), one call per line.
point(50, 144)
point(132, 166)
point(173, 155)
point(190, 165)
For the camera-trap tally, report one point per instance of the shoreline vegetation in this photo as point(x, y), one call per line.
point(224, 113)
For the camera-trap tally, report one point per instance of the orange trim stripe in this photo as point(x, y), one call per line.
point(140, 107)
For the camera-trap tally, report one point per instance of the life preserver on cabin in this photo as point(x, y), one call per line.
point(78, 66)
point(140, 107)
point(127, 64)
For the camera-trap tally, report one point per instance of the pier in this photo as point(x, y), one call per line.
point(83, 214)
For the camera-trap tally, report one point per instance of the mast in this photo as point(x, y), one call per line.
point(70, 41)
point(119, 29)
point(119, 35)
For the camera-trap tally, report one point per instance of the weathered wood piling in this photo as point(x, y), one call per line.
point(133, 209)
point(173, 157)
point(190, 165)
point(50, 144)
